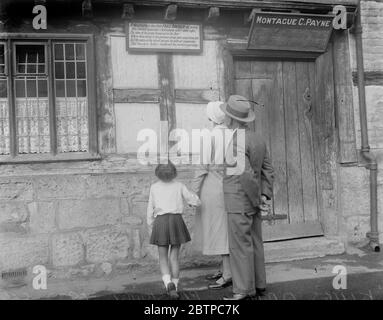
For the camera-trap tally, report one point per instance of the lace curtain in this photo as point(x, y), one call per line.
point(32, 120)
point(4, 127)
point(72, 124)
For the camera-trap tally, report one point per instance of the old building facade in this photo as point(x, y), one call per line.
point(73, 98)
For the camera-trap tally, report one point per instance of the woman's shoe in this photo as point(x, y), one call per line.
point(237, 297)
point(220, 284)
point(214, 276)
point(172, 291)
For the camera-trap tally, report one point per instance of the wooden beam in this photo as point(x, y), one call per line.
point(166, 85)
point(247, 4)
point(371, 78)
point(87, 9)
point(213, 14)
point(136, 95)
point(248, 18)
point(196, 96)
point(171, 12)
point(127, 11)
point(344, 98)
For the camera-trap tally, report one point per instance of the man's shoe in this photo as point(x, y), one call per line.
point(172, 292)
point(220, 284)
point(237, 297)
point(214, 276)
point(260, 291)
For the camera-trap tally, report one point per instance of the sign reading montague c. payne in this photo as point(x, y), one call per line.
point(164, 37)
point(290, 32)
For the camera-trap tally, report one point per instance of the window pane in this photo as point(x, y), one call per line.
point(69, 51)
point(80, 51)
point(21, 68)
point(41, 68)
point(29, 57)
point(81, 88)
point(31, 88)
point(2, 57)
point(20, 88)
point(43, 89)
point(70, 74)
point(3, 89)
point(60, 88)
point(81, 70)
point(59, 52)
point(31, 68)
point(59, 70)
point(70, 88)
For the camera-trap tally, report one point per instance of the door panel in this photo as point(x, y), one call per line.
point(284, 120)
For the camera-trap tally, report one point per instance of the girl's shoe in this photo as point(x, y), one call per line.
point(172, 292)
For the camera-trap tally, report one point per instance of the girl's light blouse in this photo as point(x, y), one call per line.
point(169, 197)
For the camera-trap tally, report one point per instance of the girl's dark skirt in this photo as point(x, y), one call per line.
point(169, 229)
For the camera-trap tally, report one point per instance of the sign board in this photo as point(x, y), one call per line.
point(290, 32)
point(164, 37)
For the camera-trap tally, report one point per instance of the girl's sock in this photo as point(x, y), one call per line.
point(175, 281)
point(166, 280)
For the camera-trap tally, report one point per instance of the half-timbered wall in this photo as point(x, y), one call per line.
point(80, 214)
point(137, 88)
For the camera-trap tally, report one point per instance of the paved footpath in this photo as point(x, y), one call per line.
point(367, 286)
point(298, 280)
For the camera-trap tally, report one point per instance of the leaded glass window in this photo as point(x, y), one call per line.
point(31, 99)
point(4, 105)
point(44, 97)
point(71, 96)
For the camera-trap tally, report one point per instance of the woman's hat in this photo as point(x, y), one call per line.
point(238, 107)
point(214, 112)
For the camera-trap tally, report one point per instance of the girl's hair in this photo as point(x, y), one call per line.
point(166, 172)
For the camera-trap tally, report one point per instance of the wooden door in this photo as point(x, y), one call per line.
point(284, 88)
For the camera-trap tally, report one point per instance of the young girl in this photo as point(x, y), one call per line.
point(164, 214)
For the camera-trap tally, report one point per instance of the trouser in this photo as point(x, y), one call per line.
point(247, 258)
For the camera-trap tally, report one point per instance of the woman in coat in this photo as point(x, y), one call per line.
point(211, 231)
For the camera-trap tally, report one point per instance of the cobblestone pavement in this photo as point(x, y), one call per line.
point(367, 286)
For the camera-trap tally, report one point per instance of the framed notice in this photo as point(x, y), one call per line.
point(290, 32)
point(164, 37)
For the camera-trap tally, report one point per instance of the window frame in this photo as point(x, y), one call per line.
point(10, 40)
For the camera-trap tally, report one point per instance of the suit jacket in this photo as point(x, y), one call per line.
point(243, 191)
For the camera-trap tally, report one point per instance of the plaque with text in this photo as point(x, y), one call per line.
point(290, 32)
point(164, 37)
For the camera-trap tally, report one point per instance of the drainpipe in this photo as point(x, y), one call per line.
point(367, 156)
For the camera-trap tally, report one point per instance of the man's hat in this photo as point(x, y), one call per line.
point(238, 107)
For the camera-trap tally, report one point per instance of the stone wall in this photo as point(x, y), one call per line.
point(356, 207)
point(78, 219)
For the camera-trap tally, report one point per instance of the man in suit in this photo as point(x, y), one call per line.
point(247, 187)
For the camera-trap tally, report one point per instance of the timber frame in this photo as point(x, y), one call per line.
point(241, 4)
